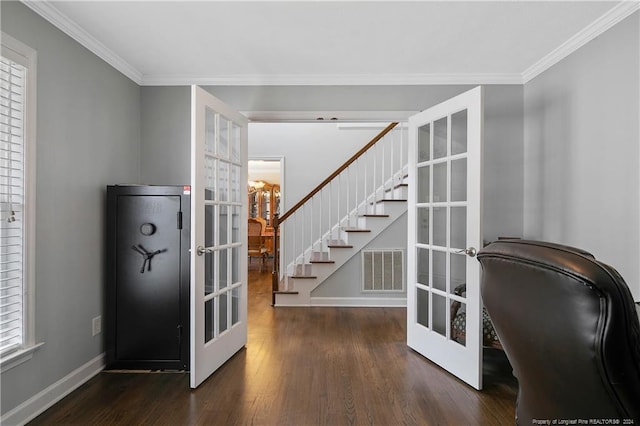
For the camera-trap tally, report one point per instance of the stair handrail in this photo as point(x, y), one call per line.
point(279, 219)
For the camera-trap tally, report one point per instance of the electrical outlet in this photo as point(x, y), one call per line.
point(96, 325)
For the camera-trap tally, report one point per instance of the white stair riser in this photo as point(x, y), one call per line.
point(341, 255)
point(302, 269)
point(303, 298)
point(400, 193)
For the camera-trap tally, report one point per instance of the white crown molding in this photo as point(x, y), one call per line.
point(49, 12)
point(328, 116)
point(332, 80)
point(596, 28)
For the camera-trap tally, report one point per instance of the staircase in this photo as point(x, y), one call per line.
point(339, 218)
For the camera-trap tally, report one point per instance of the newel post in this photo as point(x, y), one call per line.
point(275, 271)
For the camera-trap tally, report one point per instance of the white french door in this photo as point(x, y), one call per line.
point(444, 225)
point(218, 233)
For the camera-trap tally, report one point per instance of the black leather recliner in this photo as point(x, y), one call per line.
point(569, 327)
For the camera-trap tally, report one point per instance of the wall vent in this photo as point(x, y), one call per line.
point(383, 270)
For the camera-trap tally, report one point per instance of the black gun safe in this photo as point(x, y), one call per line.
point(147, 277)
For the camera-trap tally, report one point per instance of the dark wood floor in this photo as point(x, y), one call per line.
point(302, 366)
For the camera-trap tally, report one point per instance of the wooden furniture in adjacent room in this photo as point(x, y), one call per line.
point(264, 202)
point(256, 246)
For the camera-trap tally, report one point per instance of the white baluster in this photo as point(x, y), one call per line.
point(391, 168)
point(348, 196)
point(402, 153)
point(320, 221)
point(302, 234)
point(357, 183)
point(311, 224)
point(339, 197)
point(294, 245)
point(381, 156)
point(366, 168)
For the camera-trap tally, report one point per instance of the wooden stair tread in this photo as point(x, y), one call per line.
point(302, 277)
point(357, 230)
point(285, 292)
point(339, 243)
point(322, 261)
point(375, 215)
point(384, 200)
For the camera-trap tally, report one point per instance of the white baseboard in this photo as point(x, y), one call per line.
point(44, 399)
point(360, 302)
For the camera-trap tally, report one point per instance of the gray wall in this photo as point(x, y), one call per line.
point(88, 136)
point(166, 136)
point(337, 98)
point(503, 132)
point(581, 148)
point(311, 151)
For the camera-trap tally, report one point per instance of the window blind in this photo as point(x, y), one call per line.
point(12, 102)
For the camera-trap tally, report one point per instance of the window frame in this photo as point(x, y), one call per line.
point(24, 55)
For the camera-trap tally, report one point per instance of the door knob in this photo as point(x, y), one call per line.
point(202, 250)
point(471, 251)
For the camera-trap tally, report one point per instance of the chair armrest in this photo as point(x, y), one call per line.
point(460, 290)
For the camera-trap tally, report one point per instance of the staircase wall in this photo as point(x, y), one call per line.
point(312, 151)
point(503, 179)
point(343, 288)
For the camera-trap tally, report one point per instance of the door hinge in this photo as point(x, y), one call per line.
point(179, 220)
point(179, 334)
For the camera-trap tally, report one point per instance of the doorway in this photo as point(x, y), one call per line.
point(264, 192)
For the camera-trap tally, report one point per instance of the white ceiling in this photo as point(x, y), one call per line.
point(332, 42)
point(265, 170)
